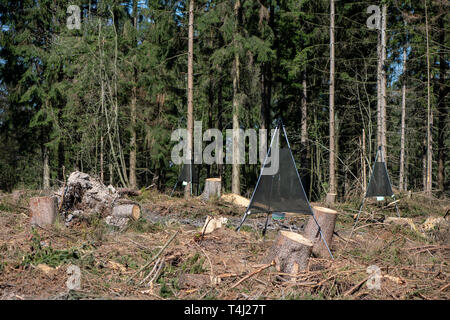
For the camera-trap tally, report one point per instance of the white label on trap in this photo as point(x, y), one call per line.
point(380, 198)
point(184, 183)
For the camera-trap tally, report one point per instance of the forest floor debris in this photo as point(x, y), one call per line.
point(162, 255)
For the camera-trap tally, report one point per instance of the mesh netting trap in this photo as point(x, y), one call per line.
point(379, 184)
point(279, 188)
point(189, 174)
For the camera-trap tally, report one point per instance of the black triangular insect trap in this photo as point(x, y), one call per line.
point(279, 190)
point(279, 187)
point(379, 184)
point(185, 174)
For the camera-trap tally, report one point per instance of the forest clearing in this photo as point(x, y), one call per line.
point(414, 262)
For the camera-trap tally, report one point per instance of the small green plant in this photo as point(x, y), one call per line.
point(5, 207)
point(47, 255)
point(142, 225)
point(194, 264)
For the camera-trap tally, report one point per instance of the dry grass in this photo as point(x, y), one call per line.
point(412, 266)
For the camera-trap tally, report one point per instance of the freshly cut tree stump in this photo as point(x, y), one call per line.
point(213, 187)
point(43, 210)
point(290, 252)
point(326, 218)
point(126, 211)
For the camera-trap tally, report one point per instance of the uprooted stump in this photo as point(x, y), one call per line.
point(290, 252)
point(85, 194)
point(43, 210)
point(326, 218)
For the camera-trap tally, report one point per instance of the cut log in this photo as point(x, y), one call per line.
point(43, 210)
point(126, 211)
point(236, 199)
point(326, 218)
point(290, 252)
point(213, 187)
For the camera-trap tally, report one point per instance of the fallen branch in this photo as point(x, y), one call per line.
point(356, 287)
point(154, 258)
point(253, 273)
point(151, 272)
point(444, 287)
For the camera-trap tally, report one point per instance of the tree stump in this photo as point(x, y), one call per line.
point(290, 252)
point(43, 210)
point(326, 218)
point(213, 187)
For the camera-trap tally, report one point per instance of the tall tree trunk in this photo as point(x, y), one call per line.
point(235, 176)
point(220, 123)
point(132, 179)
point(379, 68)
point(332, 161)
point(363, 162)
point(46, 168)
point(383, 81)
point(429, 114)
point(190, 98)
point(304, 123)
point(442, 108)
point(402, 139)
point(101, 158)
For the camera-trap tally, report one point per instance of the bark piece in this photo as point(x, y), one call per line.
point(43, 210)
point(290, 252)
point(326, 218)
point(213, 187)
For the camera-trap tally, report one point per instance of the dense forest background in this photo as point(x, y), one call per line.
point(105, 99)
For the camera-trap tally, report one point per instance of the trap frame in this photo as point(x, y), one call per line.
point(282, 191)
point(379, 184)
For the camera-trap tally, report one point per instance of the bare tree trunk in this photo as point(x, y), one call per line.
point(101, 158)
point(383, 81)
point(363, 162)
point(331, 196)
point(132, 179)
point(304, 123)
point(442, 109)
point(46, 168)
point(429, 114)
point(235, 176)
point(424, 163)
point(379, 68)
point(220, 123)
point(132, 172)
point(190, 98)
point(402, 139)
